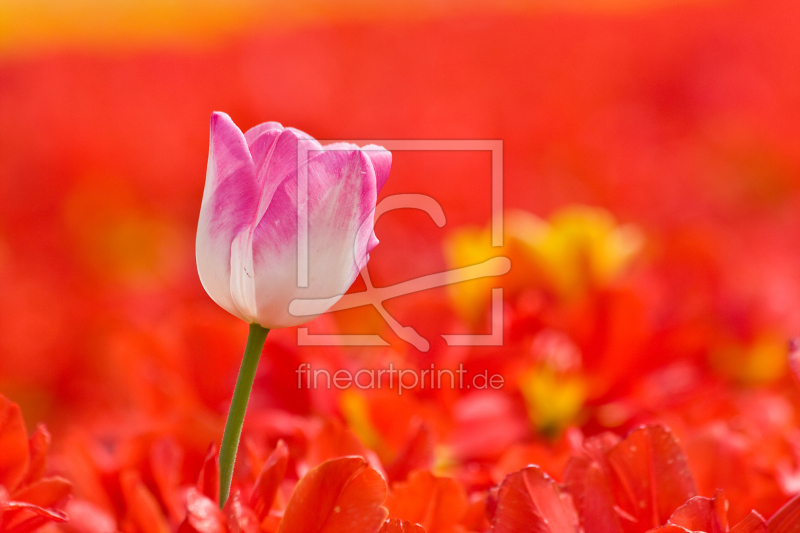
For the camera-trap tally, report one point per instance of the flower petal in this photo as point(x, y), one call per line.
point(340, 207)
point(87, 517)
point(144, 511)
point(395, 525)
point(341, 222)
point(529, 500)
point(269, 480)
point(786, 518)
point(240, 519)
point(703, 514)
point(278, 155)
point(20, 517)
point(208, 480)
point(437, 503)
point(202, 514)
point(46, 492)
point(381, 159)
point(243, 284)
point(592, 494)
point(338, 496)
point(416, 454)
point(230, 200)
point(290, 150)
point(39, 444)
point(334, 440)
point(256, 131)
point(15, 456)
point(652, 471)
point(166, 462)
point(754, 523)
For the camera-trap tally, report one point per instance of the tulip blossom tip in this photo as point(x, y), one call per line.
point(269, 193)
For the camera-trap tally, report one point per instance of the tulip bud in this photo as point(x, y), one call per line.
point(247, 237)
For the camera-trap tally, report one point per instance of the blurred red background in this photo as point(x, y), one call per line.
point(682, 119)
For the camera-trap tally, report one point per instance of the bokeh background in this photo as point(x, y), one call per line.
point(652, 188)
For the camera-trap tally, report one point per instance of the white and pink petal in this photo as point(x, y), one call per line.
point(230, 199)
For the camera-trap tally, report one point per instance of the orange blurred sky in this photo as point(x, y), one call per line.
point(32, 26)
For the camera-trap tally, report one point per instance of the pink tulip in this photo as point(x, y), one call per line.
point(247, 237)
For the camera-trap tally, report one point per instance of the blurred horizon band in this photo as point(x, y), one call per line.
point(33, 27)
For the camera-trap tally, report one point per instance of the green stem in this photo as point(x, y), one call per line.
point(241, 395)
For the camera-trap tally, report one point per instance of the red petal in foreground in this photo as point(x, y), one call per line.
point(437, 503)
point(166, 459)
point(208, 481)
point(416, 454)
point(491, 502)
point(475, 518)
point(20, 517)
point(143, 510)
point(787, 519)
point(587, 480)
point(593, 496)
point(339, 496)
point(651, 474)
point(47, 492)
point(269, 480)
point(333, 440)
point(709, 515)
point(755, 523)
point(39, 445)
point(240, 519)
point(202, 514)
point(15, 458)
point(86, 517)
point(530, 501)
point(395, 525)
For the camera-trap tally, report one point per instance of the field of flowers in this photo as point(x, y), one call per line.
point(651, 178)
